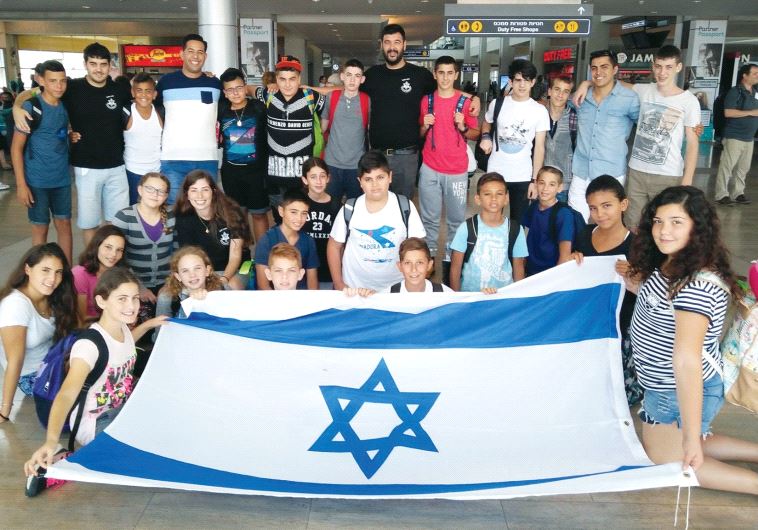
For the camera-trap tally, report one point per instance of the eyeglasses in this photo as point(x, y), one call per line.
point(234, 89)
point(155, 191)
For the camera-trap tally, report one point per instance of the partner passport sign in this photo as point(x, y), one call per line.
point(510, 26)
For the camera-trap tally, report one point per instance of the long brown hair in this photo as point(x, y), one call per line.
point(224, 208)
point(88, 258)
point(62, 301)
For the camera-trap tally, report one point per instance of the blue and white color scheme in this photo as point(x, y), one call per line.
point(444, 395)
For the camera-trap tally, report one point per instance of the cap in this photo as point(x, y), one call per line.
point(288, 61)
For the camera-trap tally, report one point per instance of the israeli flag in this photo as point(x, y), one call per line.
point(439, 395)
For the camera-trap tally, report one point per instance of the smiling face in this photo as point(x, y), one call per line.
point(284, 273)
point(606, 209)
point(603, 71)
point(97, 70)
point(110, 252)
point(549, 185)
point(153, 192)
point(192, 272)
point(393, 47)
point(415, 267)
point(316, 180)
point(559, 93)
point(665, 71)
point(445, 75)
point(294, 215)
point(492, 197)
point(44, 277)
point(144, 94)
point(200, 196)
point(122, 304)
point(193, 58)
point(672, 227)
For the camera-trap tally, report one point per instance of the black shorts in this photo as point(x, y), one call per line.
point(247, 186)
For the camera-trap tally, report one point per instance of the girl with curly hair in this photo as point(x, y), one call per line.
point(680, 269)
point(191, 276)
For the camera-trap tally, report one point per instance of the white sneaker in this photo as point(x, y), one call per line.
point(4, 186)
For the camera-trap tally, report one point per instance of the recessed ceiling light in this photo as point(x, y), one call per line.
point(182, 7)
point(86, 7)
point(330, 24)
point(418, 11)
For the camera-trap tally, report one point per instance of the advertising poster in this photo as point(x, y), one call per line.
point(705, 55)
point(256, 47)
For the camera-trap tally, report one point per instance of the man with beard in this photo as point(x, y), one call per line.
point(396, 88)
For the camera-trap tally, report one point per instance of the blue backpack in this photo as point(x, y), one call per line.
point(577, 217)
point(53, 371)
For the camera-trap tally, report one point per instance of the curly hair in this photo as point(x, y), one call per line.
point(174, 286)
point(88, 258)
point(704, 249)
point(225, 209)
point(62, 301)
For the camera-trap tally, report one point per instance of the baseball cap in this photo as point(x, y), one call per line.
point(289, 61)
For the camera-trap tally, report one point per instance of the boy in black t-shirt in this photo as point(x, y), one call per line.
point(290, 122)
point(321, 213)
point(242, 123)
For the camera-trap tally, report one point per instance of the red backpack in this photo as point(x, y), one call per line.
point(334, 98)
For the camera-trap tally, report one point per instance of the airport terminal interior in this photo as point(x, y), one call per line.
point(325, 33)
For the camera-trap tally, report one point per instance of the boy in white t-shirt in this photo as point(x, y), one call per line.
point(520, 121)
point(668, 116)
point(363, 245)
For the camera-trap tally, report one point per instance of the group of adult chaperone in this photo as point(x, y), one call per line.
point(144, 159)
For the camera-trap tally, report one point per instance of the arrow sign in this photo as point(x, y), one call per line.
point(581, 10)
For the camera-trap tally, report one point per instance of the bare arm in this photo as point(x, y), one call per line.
point(456, 266)
point(564, 251)
point(235, 259)
point(23, 192)
point(147, 325)
point(334, 251)
point(690, 156)
point(260, 278)
point(519, 269)
point(311, 279)
point(735, 113)
point(688, 344)
point(14, 344)
point(486, 143)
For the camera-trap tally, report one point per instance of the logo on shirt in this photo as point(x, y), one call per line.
point(406, 86)
point(111, 103)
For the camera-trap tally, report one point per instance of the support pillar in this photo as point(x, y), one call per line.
point(217, 23)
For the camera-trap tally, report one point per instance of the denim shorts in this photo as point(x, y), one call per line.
point(661, 406)
point(47, 200)
point(26, 383)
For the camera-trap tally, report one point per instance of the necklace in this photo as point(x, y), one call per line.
point(207, 227)
point(239, 116)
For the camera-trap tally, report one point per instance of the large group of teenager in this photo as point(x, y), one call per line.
point(161, 223)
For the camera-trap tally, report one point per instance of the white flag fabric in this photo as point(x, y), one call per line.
point(423, 395)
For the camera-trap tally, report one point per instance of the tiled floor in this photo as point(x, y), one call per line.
point(97, 506)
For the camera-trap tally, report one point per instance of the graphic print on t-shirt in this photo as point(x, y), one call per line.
point(653, 140)
point(375, 243)
point(512, 137)
point(117, 386)
point(489, 255)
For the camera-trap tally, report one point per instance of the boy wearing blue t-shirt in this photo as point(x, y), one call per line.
point(294, 212)
point(40, 160)
point(493, 262)
point(548, 245)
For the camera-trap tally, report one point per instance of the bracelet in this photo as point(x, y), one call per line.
point(6, 418)
point(486, 136)
point(464, 131)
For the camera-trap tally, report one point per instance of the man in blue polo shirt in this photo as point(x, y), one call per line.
point(191, 102)
point(604, 121)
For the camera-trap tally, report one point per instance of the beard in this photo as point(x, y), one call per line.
point(393, 62)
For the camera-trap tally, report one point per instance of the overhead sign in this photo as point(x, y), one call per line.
point(507, 26)
point(468, 68)
point(633, 24)
point(163, 56)
point(416, 52)
point(559, 55)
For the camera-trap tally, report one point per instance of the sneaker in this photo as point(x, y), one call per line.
point(4, 186)
point(36, 484)
point(741, 199)
point(725, 201)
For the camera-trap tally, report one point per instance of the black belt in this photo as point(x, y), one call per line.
point(412, 150)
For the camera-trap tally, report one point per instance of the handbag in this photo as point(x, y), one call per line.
point(739, 349)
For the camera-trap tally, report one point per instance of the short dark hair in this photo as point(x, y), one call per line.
point(112, 279)
point(51, 66)
point(565, 78)
point(606, 183)
point(142, 77)
point(744, 70)
point(391, 29)
point(96, 51)
point(492, 176)
point(551, 169)
point(604, 53)
point(312, 162)
point(669, 51)
point(521, 66)
point(293, 195)
point(355, 63)
point(194, 36)
point(414, 243)
point(230, 74)
point(371, 160)
point(445, 59)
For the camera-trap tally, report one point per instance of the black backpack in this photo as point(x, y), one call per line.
point(402, 202)
point(579, 222)
point(481, 158)
point(472, 227)
point(436, 287)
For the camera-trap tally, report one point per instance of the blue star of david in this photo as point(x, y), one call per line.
point(378, 235)
point(339, 436)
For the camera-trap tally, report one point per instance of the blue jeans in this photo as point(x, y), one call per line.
point(659, 406)
point(133, 180)
point(343, 182)
point(176, 170)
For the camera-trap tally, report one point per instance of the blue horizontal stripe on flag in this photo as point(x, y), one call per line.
point(108, 455)
point(556, 318)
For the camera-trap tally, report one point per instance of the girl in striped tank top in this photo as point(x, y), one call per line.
point(680, 270)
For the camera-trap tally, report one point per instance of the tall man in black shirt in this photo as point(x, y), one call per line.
point(396, 89)
point(94, 105)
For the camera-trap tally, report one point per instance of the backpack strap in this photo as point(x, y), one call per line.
point(573, 126)
point(552, 222)
point(405, 210)
point(430, 110)
point(334, 99)
point(498, 106)
point(472, 226)
point(365, 102)
point(395, 288)
point(36, 113)
point(347, 213)
point(436, 287)
point(513, 232)
point(102, 361)
point(310, 99)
